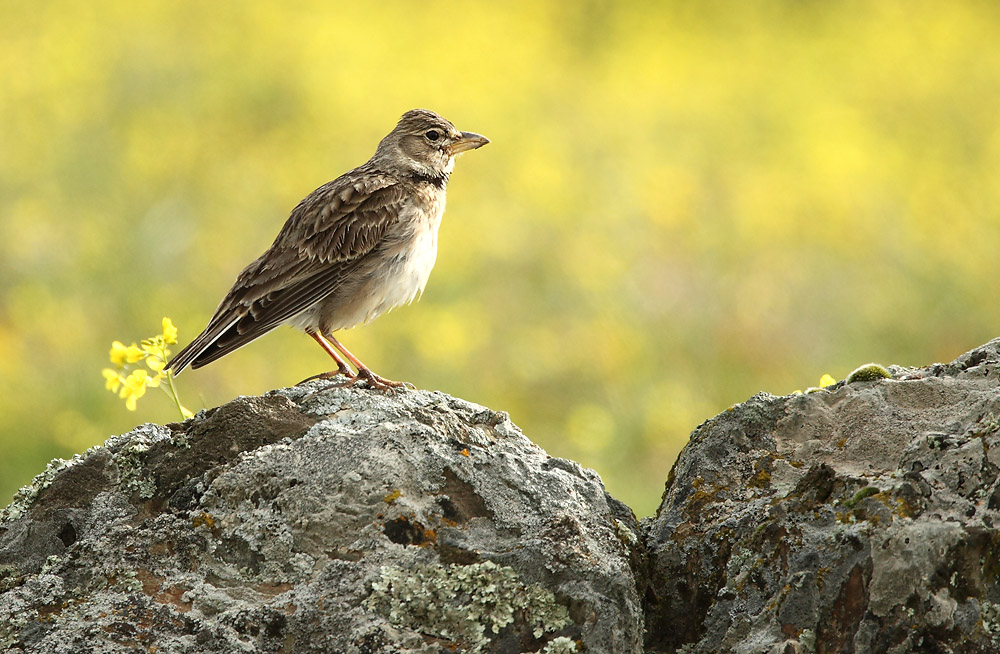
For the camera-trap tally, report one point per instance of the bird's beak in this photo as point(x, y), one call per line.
point(469, 141)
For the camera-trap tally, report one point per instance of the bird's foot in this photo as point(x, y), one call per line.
point(376, 382)
point(339, 372)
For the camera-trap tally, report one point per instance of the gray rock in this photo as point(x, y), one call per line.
point(862, 518)
point(321, 519)
point(859, 519)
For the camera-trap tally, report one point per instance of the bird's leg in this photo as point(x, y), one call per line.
point(364, 372)
point(342, 367)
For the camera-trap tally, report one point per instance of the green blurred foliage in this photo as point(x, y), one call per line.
point(683, 203)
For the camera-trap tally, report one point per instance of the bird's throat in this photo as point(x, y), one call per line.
point(440, 181)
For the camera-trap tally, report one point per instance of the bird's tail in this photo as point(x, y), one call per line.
point(194, 352)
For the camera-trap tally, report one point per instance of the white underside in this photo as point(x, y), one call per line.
point(398, 280)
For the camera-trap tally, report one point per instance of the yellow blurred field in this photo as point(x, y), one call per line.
point(682, 204)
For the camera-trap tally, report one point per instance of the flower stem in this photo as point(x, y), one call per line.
point(185, 413)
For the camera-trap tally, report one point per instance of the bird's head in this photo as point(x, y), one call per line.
point(424, 144)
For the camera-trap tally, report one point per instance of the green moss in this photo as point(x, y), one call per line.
point(700, 499)
point(904, 509)
point(988, 424)
point(868, 372)
point(465, 604)
point(867, 491)
point(760, 480)
point(625, 535)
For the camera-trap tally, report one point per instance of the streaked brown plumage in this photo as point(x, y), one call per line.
point(351, 250)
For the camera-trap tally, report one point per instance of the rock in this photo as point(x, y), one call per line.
point(321, 519)
point(862, 518)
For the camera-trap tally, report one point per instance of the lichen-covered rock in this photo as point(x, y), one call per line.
point(863, 518)
point(321, 519)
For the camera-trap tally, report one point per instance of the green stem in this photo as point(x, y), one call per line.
point(173, 389)
point(173, 394)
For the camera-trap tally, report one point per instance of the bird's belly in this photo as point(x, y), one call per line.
point(401, 280)
point(396, 277)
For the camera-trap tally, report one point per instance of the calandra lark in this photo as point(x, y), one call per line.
point(351, 250)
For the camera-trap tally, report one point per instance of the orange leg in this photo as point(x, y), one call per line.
point(342, 367)
point(364, 372)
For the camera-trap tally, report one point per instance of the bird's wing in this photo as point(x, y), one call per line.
point(328, 234)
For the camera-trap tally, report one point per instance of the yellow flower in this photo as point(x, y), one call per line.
point(155, 352)
point(118, 354)
point(153, 345)
point(169, 331)
point(136, 382)
point(826, 380)
point(133, 388)
point(112, 380)
point(134, 354)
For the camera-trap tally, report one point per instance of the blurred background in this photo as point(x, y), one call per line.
point(683, 203)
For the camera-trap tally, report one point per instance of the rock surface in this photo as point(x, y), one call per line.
point(321, 519)
point(858, 519)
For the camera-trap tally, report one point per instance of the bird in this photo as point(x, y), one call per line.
point(350, 251)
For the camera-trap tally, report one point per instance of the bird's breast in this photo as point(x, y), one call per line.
point(409, 266)
point(394, 274)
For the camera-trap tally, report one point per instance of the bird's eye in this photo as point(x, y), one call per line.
point(432, 135)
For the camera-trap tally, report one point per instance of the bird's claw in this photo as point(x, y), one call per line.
point(340, 372)
point(376, 382)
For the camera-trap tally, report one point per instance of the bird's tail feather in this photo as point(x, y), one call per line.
point(191, 354)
